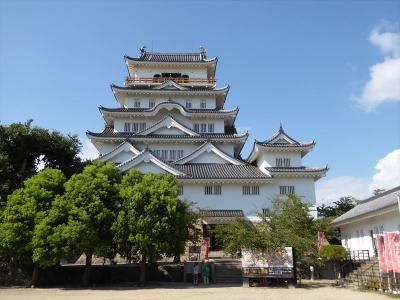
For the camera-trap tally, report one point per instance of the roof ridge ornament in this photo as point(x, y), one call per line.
point(202, 52)
point(142, 50)
point(281, 128)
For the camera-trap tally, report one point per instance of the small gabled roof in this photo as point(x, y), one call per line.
point(148, 156)
point(169, 122)
point(208, 147)
point(282, 139)
point(170, 85)
point(124, 146)
point(149, 88)
point(369, 207)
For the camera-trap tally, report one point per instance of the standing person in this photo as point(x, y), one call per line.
point(206, 273)
point(196, 270)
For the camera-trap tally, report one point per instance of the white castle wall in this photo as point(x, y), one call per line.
point(268, 159)
point(193, 72)
point(144, 100)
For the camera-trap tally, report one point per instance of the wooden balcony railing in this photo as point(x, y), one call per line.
point(180, 80)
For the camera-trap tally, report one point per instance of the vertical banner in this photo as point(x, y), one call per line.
point(322, 241)
point(381, 253)
point(394, 250)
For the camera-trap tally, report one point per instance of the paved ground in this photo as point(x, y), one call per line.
point(309, 291)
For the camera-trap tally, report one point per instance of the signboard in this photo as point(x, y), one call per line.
point(268, 264)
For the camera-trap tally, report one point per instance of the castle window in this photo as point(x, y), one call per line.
point(211, 128)
point(142, 126)
point(180, 154)
point(203, 127)
point(157, 152)
point(286, 189)
point(164, 154)
point(203, 104)
point(212, 190)
point(251, 190)
point(286, 162)
point(127, 127)
point(152, 103)
point(180, 191)
point(137, 104)
point(135, 127)
point(278, 162)
point(172, 155)
point(188, 104)
point(196, 127)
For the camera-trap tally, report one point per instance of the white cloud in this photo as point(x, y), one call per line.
point(387, 177)
point(88, 151)
point(384, 83)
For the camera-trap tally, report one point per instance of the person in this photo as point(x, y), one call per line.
point(196, 273)
point(206, 273)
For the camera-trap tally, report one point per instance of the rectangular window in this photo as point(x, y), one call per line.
point(127, 127)
point(196, 127)
point(217, 190)
point(142, 126)
point(286, 189)
point(152, 103)
point(265, 211)
point(203, 104)
point(211, 128)
point(137, 104)
point(157, 153)
point(251, 190)
point(135, 127)
point(188, 104)
point(172, 155)
point(203, 128)
point(164, 154)
point(208, 190)
point(212, 190)
point(286, 162)
point(246, 190)
point(180, 191)
point(278, 162)
point(180, 154)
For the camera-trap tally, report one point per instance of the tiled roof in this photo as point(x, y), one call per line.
point(211, 111)
point(370, 205)
point(109, 132)
point(282, 142)
point(221, 171)
point(297, 169)
point(172, 57)
point(221, 213)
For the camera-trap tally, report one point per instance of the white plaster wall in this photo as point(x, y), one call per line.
point(389, 221)
point(268, 159)
point(231, 198)
point(193, 72)
point(303, 187)
point(149, 167)
point(196, 100)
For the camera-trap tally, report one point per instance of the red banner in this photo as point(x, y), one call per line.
point(389, 252)
point(322, 241)
point(381, 253)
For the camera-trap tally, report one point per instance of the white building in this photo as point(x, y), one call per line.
point(370, 217)
point(171, 119)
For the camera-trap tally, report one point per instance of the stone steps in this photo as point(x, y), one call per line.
point(228, 270)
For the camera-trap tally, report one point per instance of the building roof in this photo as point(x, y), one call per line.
point(108, 132)
point(199, 57)
point(296, 169)
point(282, 139)
point(144, 87)
point(231, 213)
point(221, 171)
point(369, 206)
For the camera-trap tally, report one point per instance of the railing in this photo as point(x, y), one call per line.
point(180, 80)
point(358, 255)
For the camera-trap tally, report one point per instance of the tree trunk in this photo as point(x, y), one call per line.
point(88, 268)
point(142, 279)
point(35, 275)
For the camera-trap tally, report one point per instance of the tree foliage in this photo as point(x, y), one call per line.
point(25, 208)
point(23, 147)
point(337, 209)
point(152, 220)
point(333, 253)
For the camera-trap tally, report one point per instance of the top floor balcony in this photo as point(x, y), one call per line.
point(184, 80)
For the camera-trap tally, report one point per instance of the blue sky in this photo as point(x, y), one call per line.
point(303, 63)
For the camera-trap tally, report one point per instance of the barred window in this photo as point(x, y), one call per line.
point(152, 103)
point(251, 190)
point(137, 104)
point(196, 127)
point(203, 104)
point(211, 127)
point(157, 152)
point(278, 162)
point(135, 127)
point(164, 154)
point(203, 127)
point(212, 190)
point(142, 126)
point(286, 189)
point(180, 154)
point(188, 104)
point(286, 162)
point(282, 162)
point(180, 191)
point(172, 155)
point(127, 127)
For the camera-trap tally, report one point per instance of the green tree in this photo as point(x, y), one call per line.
point(378, 191)
point(25, 208)
point(333, 253)
point(337, 208)
point(23, 147)
point(146, 226)
point(85, 213)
